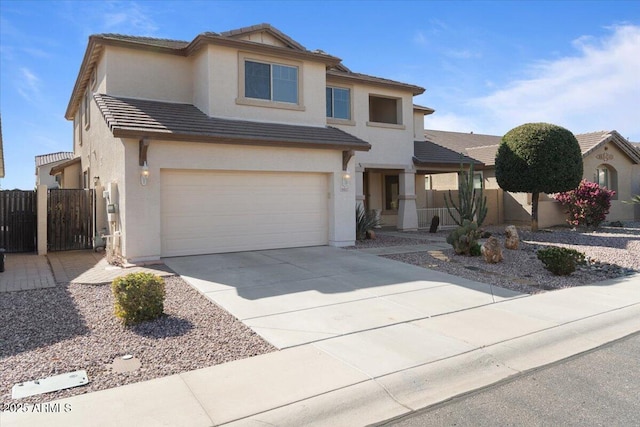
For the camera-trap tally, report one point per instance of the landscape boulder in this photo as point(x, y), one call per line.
point(512, 240)
point(491, 251)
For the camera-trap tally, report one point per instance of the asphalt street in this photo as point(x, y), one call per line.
point(599, 388)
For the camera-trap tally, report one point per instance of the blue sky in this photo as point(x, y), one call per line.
point(487, 66)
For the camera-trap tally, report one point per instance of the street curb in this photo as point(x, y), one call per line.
point(421, 387)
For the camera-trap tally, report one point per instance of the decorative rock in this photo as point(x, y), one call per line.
point(491, 251)
point(371, 235)
point(513, 240)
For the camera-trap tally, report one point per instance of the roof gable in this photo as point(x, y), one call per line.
point(265, 34)
point(589, 142)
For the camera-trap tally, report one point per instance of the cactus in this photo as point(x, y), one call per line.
point(464, 239)
point(472, 205)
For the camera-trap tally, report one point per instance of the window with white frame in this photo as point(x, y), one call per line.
point(271, 82)
point(339, 103)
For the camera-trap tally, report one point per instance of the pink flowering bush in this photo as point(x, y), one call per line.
point(588, 205)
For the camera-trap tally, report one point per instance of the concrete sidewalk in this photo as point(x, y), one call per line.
point(368, 377)
point(24, 271)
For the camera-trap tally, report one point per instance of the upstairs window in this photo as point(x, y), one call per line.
point(385, 110)
point(339, 103)
point(271, 82)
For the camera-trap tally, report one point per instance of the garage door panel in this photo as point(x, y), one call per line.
point(213, 211)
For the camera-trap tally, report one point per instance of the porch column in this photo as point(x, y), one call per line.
point(360, 187)
point(407, 211)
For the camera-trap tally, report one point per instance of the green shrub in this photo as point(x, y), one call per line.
point(138, 297)
point(560, 261)
point(476, 250)
point(464, 239)
point(365, 221)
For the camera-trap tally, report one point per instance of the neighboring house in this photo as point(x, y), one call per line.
point(608, 159)
point(241, 140)
point(44, 164)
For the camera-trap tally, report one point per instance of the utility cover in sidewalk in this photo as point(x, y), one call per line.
point(49, 384)
point(126, 363)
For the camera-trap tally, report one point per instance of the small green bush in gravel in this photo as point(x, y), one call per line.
point(465, 239)
point(560, 261)
point(138, 297)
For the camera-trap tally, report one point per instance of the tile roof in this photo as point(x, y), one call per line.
point(429, 153)
point(45, 159)
point(148, 41)
point(128, 117)
point(480, 147)
point(484, 147)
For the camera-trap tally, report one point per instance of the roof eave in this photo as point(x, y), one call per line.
point(446, 165)
point(62, 166)
point(121, 132)
point(416, 90)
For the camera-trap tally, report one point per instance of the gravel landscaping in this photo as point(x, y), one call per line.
point(611, 252)
point(71, 327)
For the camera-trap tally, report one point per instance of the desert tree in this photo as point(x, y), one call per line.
point(538, 158)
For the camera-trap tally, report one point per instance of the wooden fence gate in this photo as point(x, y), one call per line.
point(18, 220)
point(69, 219)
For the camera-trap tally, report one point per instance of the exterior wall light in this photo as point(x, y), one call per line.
point(144, 174)
point(346, 181)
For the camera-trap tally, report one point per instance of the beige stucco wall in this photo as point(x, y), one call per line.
point(390, 144)
point(72, 177)
point(628, 178)
point(418, 126)
point(102, 156)
point(216, 72)
point(147, 75)
point(140, 205)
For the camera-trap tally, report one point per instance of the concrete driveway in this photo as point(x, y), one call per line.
point(297, 296)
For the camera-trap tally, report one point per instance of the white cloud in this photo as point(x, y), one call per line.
point(128, 18)
point(28, 85)
point(419, 38)
point(597, 89)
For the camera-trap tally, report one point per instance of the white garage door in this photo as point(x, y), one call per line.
point(211, 211)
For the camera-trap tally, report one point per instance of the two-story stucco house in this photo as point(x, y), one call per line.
point(242, 140)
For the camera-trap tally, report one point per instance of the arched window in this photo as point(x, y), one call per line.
point(607, 176)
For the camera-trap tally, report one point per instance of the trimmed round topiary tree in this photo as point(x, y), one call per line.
point(538, 158)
